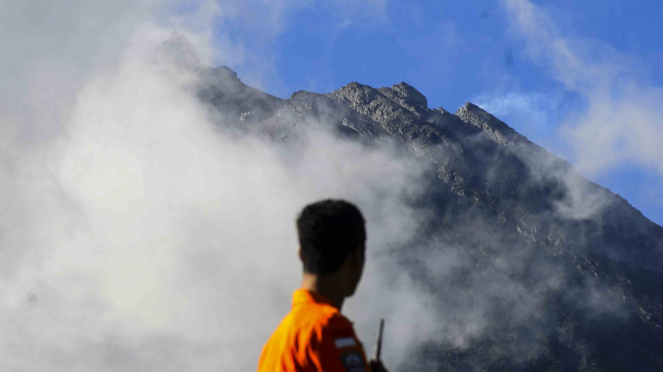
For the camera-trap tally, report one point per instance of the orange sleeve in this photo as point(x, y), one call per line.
point(336, 348)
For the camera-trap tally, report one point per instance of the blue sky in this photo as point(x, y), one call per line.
point(568, 75)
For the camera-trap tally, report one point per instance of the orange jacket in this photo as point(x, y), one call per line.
point(314, 336)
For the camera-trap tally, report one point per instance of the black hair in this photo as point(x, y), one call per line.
point(329, 231)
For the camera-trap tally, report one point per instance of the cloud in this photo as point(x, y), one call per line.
point(135, 236)
point(621, 125)
point(530, 113)
point(139, 236)
point(162, 245)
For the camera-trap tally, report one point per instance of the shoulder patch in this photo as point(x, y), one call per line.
point(353, 361)
point(344, 342)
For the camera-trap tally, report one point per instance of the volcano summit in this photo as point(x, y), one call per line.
point(546, 271)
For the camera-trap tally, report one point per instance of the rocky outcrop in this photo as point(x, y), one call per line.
point(497, 130)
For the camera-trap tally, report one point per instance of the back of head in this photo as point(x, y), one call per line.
point(329, 231)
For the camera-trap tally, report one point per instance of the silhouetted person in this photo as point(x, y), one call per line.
point(315, 336)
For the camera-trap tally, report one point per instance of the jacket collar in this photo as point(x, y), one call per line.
point(302, 296)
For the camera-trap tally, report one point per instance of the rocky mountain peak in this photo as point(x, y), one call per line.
point(226, 72)
point(406, 95)
point(179, 50)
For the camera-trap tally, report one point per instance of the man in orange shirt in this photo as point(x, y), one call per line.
point(315, 336)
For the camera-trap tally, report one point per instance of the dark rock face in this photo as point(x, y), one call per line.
point(532, 233)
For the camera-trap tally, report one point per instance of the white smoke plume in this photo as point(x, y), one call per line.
point(135, 236)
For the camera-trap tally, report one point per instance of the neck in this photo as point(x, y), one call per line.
point(330, 287)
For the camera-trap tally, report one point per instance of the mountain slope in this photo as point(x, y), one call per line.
point(563, 274)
